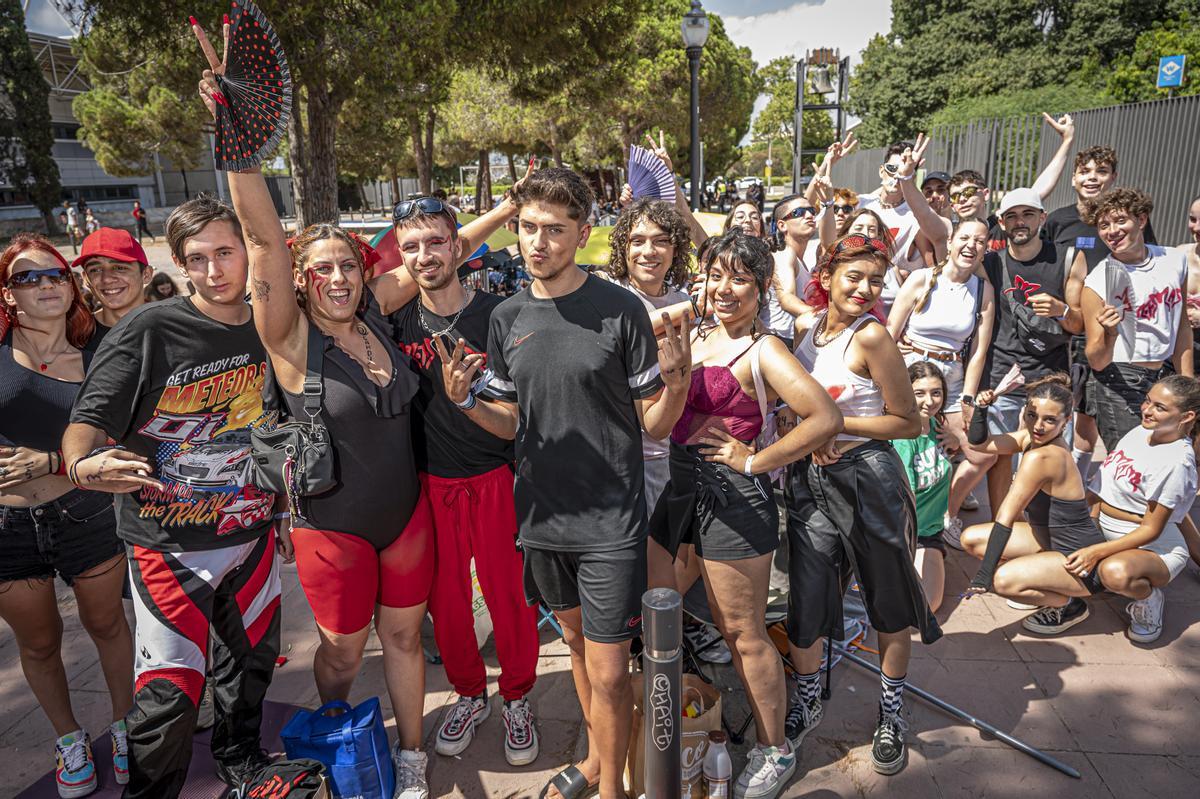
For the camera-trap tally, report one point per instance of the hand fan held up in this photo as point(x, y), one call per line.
point(257, 86)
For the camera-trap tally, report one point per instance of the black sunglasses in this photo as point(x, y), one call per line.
point(31, 278)
point(800, 210)
point(844, 209)
point(426, 205)
point(891, 169)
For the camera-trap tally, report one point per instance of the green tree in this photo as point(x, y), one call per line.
point(26, 137)
point(372, 140)
point(1134, 76)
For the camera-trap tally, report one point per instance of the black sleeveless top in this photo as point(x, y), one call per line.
point(34, 408)
point(371, 430)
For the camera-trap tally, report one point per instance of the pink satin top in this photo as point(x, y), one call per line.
point(716, 399)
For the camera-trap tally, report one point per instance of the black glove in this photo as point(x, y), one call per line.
point(997, 541)
point(977, 433)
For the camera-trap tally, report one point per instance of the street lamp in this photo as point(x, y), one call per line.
point(695, 34)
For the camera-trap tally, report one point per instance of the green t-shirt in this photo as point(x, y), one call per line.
point(928, 473)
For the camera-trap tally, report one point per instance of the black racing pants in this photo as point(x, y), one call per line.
point(177, 596)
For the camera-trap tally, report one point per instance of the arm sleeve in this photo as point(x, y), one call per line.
point(641, 354)
point(499, 384)
point(978, 432)
point(997, 541)
point(115, 381)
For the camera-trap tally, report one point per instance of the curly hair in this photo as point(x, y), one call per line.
point(738, 251)
point(1103, 156)
point(663, 216)
point(1132, 201)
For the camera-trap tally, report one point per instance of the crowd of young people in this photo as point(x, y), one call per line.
point(602, 431)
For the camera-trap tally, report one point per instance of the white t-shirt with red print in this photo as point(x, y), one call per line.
point(1136, 473)
point(1151, 294)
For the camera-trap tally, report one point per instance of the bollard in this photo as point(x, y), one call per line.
point(662, 633)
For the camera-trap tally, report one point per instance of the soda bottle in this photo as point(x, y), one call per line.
point(718, 768)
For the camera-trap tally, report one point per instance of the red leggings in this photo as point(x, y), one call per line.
point(475, 517)
point(344, 577)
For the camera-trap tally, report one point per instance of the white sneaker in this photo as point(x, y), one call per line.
point(410, 773)
point(969, 503)
point(458, 726)
point(1146, 617)
point(520, 733)
point(708, 643)
point(1015, 605)
point(767, 770)
point(952, 532)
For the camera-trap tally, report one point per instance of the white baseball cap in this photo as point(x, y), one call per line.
point(1018, 197)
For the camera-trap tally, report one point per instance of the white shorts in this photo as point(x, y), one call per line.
point(1169, 546)
point(954, 374)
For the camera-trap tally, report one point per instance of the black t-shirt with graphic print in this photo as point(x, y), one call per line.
point(575, 365)
point(445, 442)
point(183, 390)
point(1066, 229)
point(1045, 273)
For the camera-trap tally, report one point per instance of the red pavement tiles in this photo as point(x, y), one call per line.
point(1124, 715)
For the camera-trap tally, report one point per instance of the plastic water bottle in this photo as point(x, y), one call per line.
point(718, 768)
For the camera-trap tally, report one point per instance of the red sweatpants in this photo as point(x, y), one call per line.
point(475, 517)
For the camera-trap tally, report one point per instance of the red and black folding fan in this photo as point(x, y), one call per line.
point(258, 87)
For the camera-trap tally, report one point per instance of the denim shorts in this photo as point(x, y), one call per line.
point(1004, 416)
point(65, 537)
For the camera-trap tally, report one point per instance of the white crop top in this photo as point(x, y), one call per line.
point(1152, 297)
point(1136, 473)
point(854, 394)
point(948, 319)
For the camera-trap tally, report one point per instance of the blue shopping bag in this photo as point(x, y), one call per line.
point(353, 747)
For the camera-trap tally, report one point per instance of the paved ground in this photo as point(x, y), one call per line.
point(1123, 715)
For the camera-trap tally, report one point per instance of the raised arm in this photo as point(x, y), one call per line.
point(934, 227)
point(1183, 357)
point(1064, 126)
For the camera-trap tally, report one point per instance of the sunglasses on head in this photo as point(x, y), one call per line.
point(799, 211)
point(964, 193)
point(31, 278)
point(426, 205)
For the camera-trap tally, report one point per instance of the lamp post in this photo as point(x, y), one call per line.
point(695, 34)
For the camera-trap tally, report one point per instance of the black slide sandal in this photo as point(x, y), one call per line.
point(570, 783)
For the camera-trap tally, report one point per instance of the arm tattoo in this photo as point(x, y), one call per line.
point(262, 290)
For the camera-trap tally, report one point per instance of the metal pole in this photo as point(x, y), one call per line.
point(693, 54)
point(662, 666)
point(982, 726)
point(798, 126)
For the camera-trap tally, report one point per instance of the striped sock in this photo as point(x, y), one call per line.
point(810, 687)
point(891, 697)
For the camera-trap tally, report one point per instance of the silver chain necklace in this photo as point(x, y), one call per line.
point(446, 330)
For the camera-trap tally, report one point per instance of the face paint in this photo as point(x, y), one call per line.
point(316, 281)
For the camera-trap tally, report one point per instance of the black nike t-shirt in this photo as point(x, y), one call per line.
point(1045, 273)
point(183, 390)
point(445, 442)
point(575, 365)
point(1065, 229)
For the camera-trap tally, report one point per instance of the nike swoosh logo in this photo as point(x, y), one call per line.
point(517, 341)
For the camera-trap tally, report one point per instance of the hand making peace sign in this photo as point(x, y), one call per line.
point(210, 93)
point(675, 352)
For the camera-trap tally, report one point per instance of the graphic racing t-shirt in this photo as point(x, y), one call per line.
point(183, 390)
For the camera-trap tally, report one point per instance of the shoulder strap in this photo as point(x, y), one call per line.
point(314, 383)
point(760, 389)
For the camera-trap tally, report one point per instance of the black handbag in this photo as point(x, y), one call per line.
point(295, 458)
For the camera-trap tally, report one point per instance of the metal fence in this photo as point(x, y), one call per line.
point(1157, 144)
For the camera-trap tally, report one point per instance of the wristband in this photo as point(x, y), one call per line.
point(468, 403)
point(967, 399)
point(62, 462)
point(283, 515)
point(997, 540)
point(906, 177)
point(747, 469)
point(827, 203)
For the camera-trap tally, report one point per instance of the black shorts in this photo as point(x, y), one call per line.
point(64, 537)
point(857, 515)
point(1118, 392)
point(606, 586)
point(1065, 539)
point(725, 514)
point(932, 542)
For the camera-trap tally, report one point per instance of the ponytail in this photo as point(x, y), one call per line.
point(1186, 391)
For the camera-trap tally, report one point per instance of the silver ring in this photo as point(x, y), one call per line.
point(1083, 573)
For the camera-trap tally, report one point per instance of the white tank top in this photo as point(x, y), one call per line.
point(777, 320)
point(854, 394)
point(948, 319)
point(891, 287)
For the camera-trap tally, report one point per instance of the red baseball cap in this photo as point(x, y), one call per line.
point(108, 242)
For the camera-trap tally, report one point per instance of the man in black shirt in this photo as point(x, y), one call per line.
point(575, 375)
point(1094, 175)
point(178, 387)
point(1034, 282)
point(467, 473)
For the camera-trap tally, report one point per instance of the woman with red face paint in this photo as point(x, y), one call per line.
point(363, 549)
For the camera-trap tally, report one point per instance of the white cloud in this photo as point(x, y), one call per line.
point(42, 17)
point(841, 24)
